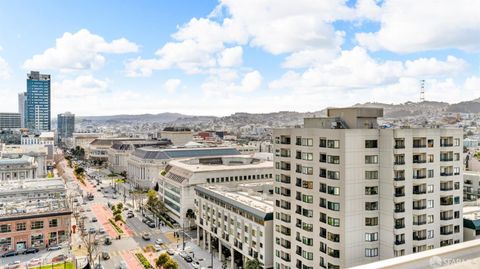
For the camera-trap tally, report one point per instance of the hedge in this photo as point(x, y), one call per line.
point(115, 226)
point(146, 264)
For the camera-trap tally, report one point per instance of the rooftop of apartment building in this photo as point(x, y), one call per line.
point(24, 149)
point(110, 141)
point(471, 217)
point(221, 163)
point(38, 184)
point(245, 196)
point(459, 256)
point(351, 118)
point(153, 153)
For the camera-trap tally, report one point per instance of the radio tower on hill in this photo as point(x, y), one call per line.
point(422, 90)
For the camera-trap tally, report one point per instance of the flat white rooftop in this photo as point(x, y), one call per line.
point(224, 163)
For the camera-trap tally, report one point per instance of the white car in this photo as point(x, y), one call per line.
point(195, 264)
point(159, 241)
point(157, 247)
point(52, 248)
point(183, 254)
point(35, 261)
point(123, 265)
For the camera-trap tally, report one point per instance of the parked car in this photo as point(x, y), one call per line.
point(59, 258)
point(101, 231)
point(130, 215)
point(146, 236)
point(151, 225)
point(122, 265)
point(31, 250)
point(10, 253)
point(52, 248)
point(105, 255)
point(35, 261)
point(195, 264)
point(183, 254)
point(171, 252)
point(94, 219)
point(157, 247)
point(92, 230)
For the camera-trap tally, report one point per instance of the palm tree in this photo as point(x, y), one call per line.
point(170, 264)
point(253, 264)
point(162, 260)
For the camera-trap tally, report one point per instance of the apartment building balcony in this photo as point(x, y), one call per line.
point(285, 166)
point(419, 176)
point(285, 153)
point(419, 143)
point(399, 210)
point(399, 194)
point(419, 161)
point(446, 200)
point(285, 179)
point(446, 174)
point(446, 158)
point(446, 187)
point(399, 178)
point(399, 225)
point(446, 143)
point(286, 244)
point(419, 237)
point(419, 207)
point(285, 258)
point(286, 206)
point(285, 193)
point(419, 191)
point(446, 217)
point(399, 242)
point(399, 162)
point(446, 232)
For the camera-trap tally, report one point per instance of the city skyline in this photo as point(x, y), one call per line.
point(217, 58)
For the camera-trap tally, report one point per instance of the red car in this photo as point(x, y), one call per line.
point(59, 258)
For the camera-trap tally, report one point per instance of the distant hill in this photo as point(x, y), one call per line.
point(160, 118)
point(466, 107)
point(409, 109)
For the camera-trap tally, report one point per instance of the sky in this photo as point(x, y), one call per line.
point(221, 57)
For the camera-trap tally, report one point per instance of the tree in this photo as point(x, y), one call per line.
point(156, 188)
point(118, 217)
point(162, 260)
point(253, 264)
point(120, 206)
point(170, 264)
point(90, 242)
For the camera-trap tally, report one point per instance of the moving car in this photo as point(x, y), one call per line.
point(146, 236)
point(94, 219)
point(59, 258)
point(183, 254)
point(122, 265)
point(92, 230)
point(188, 258)
point(171, 252)
point(157, 247)
point(12, 265)
point(151, 225)
point(159, 241)
point(107, 241)
point(105, 255)
point(35, 261)
point(130, 215)
point(101, 231)
point(195, 264)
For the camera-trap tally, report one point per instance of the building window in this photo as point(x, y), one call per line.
point(430, 188)
point(371, 190)
point(371, 252)
point(37, 225)
point(371, 221)
point(371, 144)
point(371, 174)
point(323, 142)
point(371, 159)
point(371, 237)
point(53, 223)
point(307, 198)
point(430, 234)
point(333, 206)
point(371, 205)
point(429, 203)
point(5, 228)
point(457, 142)
point(333, 222)
point(333, 190)
point(430, 173)
point(333, 159)
point(21, 226)
point(334, 144)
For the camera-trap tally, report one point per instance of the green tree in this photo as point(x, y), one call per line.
point(170, 264)
point(162, 260)
point(120, 206)
point(118, 217)
point(253, 264)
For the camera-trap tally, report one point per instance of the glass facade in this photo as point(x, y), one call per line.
point(37, 111)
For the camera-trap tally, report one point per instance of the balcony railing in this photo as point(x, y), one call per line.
point(399, 242)
point(446, 217)
point(399, 226)
point(420, 222)
point(419, 237)
point(446, 159)
point(419, 207)
point(419, 191)
point(446, 144)
point(419, 161)
point(399, 210)
point(399, 194)
point(399, 146)
point(446, 174)
point(399, 178)
point(399, 162)
point(446, 232)
point(419, 145)
point(447, 188)
point(419, 176)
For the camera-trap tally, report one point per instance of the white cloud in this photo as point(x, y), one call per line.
point(172, 85)
point(411, 25)
point(355, 69)
point(230, 57)
point(276, 26)
point(219, 85)
point(4, 69)
point(80, 87)
point(79, 51)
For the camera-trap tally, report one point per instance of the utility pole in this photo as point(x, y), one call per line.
point(183, 237)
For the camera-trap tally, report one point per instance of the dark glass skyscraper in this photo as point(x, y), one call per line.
point(65, 126)
point(38, 105)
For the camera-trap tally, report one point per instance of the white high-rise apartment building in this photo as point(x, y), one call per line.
point(349, 193)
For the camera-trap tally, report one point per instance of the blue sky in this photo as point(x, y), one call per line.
point(221, 57)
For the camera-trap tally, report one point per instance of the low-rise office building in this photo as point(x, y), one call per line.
point(97, 150)
point(145, 164)
point(18, 168)
point(82, 140)
point(235, 222)
point(176, 186)
point(44, 138)
point(33, 213)
point(119, 152)
point(178, 135)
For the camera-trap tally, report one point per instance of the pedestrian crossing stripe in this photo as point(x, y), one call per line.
point(122, 252)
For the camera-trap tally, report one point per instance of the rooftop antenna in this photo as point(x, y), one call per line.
point(422, 90)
